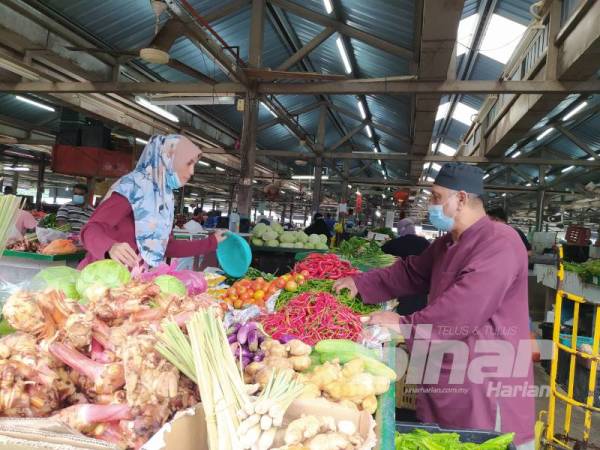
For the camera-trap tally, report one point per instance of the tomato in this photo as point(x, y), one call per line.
point(231, 291)
point(280, 283)
point(246, 297)
point(259, 295)
point(291, 286)
point(299, 278)
point(238, 304)
point(240, 290)
point(245, 282)
point(305, 273)
point(259, 280)
point(286, 277)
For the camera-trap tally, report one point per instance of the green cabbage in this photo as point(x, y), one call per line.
point(309, 246)
point(259, 229)
point(288, 237)
point(314, 239)
point(257, 242)
point(60, 278)
point(273, 243)
point(105, 273)
point(323, 238)
point(277, 228)
point(269, 236)
point(168, 284)
point(301, 236)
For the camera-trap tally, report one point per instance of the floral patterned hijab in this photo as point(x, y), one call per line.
point(151, 195)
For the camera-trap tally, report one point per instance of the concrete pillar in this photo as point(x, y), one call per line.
point(40, 183)
point(248, 154)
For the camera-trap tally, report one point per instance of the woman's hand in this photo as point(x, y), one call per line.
point(346, 283)
point(221, 235)
point(123, 253)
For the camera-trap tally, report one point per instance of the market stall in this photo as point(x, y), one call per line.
point(273, 348)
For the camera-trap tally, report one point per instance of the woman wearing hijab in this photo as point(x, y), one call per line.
point(133, 224)
point(318, 226)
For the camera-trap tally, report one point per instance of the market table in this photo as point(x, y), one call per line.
point(277, 260)
point(547, 276)
point(16, 267)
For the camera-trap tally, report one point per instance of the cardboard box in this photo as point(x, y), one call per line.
point(187, 431)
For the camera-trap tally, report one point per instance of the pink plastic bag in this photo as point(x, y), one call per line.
point(194, 281)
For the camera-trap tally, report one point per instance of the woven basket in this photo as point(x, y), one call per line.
point(406, 396)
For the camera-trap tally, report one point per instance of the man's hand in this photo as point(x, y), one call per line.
point(346, 283)
point(123, 253)
point(221, 235)
point(387, 319)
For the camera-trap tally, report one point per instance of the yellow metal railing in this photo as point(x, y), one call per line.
point(563, 440)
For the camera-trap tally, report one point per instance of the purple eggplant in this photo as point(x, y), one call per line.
point(258, 357)
point(232, 338)
point(242, 334)
point(245, 361)
point(286, 338)
point(233, 329)
point(253, 340)
point(235, 348)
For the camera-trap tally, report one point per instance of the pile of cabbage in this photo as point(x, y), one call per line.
point(275, 236)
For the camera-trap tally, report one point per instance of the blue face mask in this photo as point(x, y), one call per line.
point(440, 220)
point(173, 181)
point(78, 199)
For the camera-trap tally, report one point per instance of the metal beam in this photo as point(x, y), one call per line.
point(344, 29)
point(348, 136)
point(309, 47)
point(359, 86)
point(575, 140)
point(421, 158)
point(377, 125)
point(256, 33)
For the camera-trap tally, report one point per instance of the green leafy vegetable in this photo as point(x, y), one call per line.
point(586, 270)
point(364, 253)
point(61, 278)
point(422, 440)
point(168, 284)
point(106, 273)
point(355, 303)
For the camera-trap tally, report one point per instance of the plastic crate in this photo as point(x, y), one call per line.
point(565, 339)
point(578, 235)
point(466, 436)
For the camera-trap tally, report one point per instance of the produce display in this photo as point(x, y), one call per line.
point(9, 206)
point(322, 432)
point(293, 356)
point(354, 303)
point(275, 236)
point(313, 316)
point(245, 341)
point(350, 385)
point(95, 367)
point(25, 245)
point(325, 266)
point(586, 270)
point(385, 230)
point(257, 291)
point(423, 440)
point(60, 247)
point(364, 253)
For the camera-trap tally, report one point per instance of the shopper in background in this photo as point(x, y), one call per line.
point(476, 276)
point(318, 226)
point(8, 190)
point(407, 243)
point(499, 215)
point(77, 212)
point(330, 221)
point(133, 224)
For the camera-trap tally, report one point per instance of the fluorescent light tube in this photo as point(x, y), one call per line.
point(379, 161)
point(344, 55)
point(486, 176)
point(544, 134)
point(17, 168)
point(328, 6)
point(566, 169)
point(430, 179)
point(157, 109)
point(369, 132)
point(140, 141)
point(34, 103)
point(516, 154)
point(308, 177)
point(268, 108)
point(361, 108)
point(574, 111)
point(220, 169)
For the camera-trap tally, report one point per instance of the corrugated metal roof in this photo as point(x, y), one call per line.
point(471, 7)
point(486, 68)
point(25, 112)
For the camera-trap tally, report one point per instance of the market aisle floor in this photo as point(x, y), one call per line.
point(542, 379)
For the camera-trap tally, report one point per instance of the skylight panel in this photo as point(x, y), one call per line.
point(501, 38)
point(463, 113)
point(466, 32)
point(446, 150)
point(442, 111)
